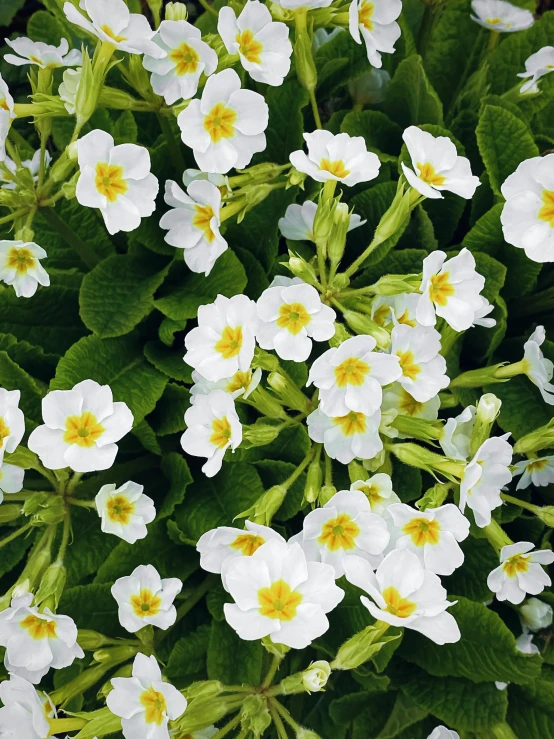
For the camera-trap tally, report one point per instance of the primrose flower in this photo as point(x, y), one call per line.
point(538, 368)
point(7, 115)
point(441, 732)
point(537, 66)
point(69, 87)
point(396, 398)
point(240, 384)
point(456, 434)
point(32, 165)
point(349, 437)
point(423, 368)
point(520, 572)
point(42, 55)
point(538, 472)
point(378, 490)
point(143, 599)
point(125, 511)
point(535, 614)
point(500, 16)
point(11, 479)
point(12, 421)
point(20, 267)
point(24, 713)
point(298, 222)
point(375, 23)
point(309, 4)
point(396, 309)
point(337, 157)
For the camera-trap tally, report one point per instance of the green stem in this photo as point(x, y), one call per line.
point(14, 214)
point(81, 503)
point(281, 731)
point(299, 470)
point(89, 257)
point(272, 671)
point(15, 534)
point(65, 537)
point(234, 722)
point(72, 484)
point(494, 40)
point(315, 109)
point(172, 143)
point(280, 708)
point(328, 471)
point(521, 503)
point(207, 7)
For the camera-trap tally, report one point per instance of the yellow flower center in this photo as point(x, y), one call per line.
point(546, 213)
point(279, 601)
point(202, 220)
point(336, 168)
point(21, 260)
point(351, 424)
point(221, 432)
point(365, 14)
point(339, 533)
point(109, 181)
point(83, 430)
point(4, 103)
point(406, 320)
point(294, 317)
point(535, 466)
point(352, 371)
point(249, 47)
point(247, 544)
point(407, 365)
point(4, 431)
point(396, 604)
point(428, 174)
point(493, 21)
point(440, 288)
point(186, 59)
point(108, 31)
point(423, 531)
point(239, 381)
point(155, 706)
point(409, 405)
point(120, 509)
point(230, 344)
point(39, 628)
point(515, 564)
point(372, 494)
point(219, 122)
point(146, 603)
point(381, 315)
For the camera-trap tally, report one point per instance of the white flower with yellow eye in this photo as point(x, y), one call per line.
point(345, 438)
point(144, 599)
point(423, 368)
point(240, 384)
point(263, 46)
point(125, 511)
point(538, 368)
point(20, 267)
point(298, 222)
point(226, 127)
point(279, 594)
point(25, 712)
point(145, 702)
point(437, 166)
point(395, 310)
point(484, 477)
point(176, 76)
point(350, 377)
point(337, 157)
point(520, 572)
point(404, 594)
point(212, 427)
point(36, 640)
point(291, 316)
point(344, 525)
point(374, 21)
point(432, 535)
point(537, 66)
point(80, 428)
point(378, 490)
point(12, 421)
point(7, 115)
point(396, 398)
point(116, 180)
point(193, 223)
point(113, 23)
point(500, 16)
point(223, 343)
point(44, 56)
point(456, 434)
point(538, 472)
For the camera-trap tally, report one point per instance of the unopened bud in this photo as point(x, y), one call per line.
point(44, 508)
point(546, 514)
point(25, 234)
point(314, 478)
point(316, 676)
point(176, 12)
point(396, 284)
point(21, 589)
point(536, 614)
point(277, 650)
point(434, 497)
point(288, 392)
point(51, 586)
point(91, 640)
point(362, 324)
point(326, 493)
point(296, 178)
point(266, 506)
point(341, 334)
point(254, 716)
point(417, 456)
point(202, 713)
point(260, 433)
point(541, 438)
point(360, 648)
point(111, 97)
point(265, 403)
point(337, 236)
point(63, 167)
point(395, 217)
point(323, 222)
point(9, 512)
point(488, 409)
point(300, 268)
point(478, 377)
point(264, 360)
point(113, 655)
point(306, 71)
point(356, 471)
point(203, 690)
point(88, 90)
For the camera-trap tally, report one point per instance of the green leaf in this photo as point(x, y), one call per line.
point(188, 656)
point(146, 436)
point(169, 414)
point(12, 377)
point(381, 135)
point(523, 409)
point(8, 10)
point(43, 26)
point(90, 547)
point(176, 469)
point(231, 659)
point(404, 714)
point(167, 330)
point(338, 61)
point(76, 603)
point(344, 710)
point(286, 122)
point(531, 709)
point(406, 482)
point(14, 553)
point(125, 129)
point(169, 361)
point(470, 580)
point(411, 99)
point(257, 277)
point(494, 273)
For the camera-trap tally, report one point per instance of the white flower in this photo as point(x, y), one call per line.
point(538, 368)
point(69, 87)
point(221, 181)
point(396, 309)
point(112, 23)
point(43, 55)
point(309, 4)
point(524, 644)
point(535, 614)
point(338, 157)
point(278, 593)
point(12, 421)
point(36, 641)
point(432, 535)
point(537, 66)
point(20, 266)
point(224, 340)
point(497, 15)
point(348, 437)
point(212, 427)
point(538, 472)
point(24, 713)
point(226, 127)
point(81, 428)
point(240, 384)
point(6, 116)
point(456, 434)
point(441, 732)
point(396, 398)
point(263, 46)
point(322, 36)
point(32, 165)
point(11, 479)
point(450, 289)
point(144, 598)
point(520, 572)
point(528, 214)
point(125, 511)
point(375, 23)
point(437, 166)
point(176, 76)
point(344, 525)
point(423, 368)
point(484, 477)
point(351, 377)
point(405, 594)
point(480, 314)
point(193, 223)
point(219, 547)
point(291, 315)
point(115, 179)
point(315, 677)
point(144, 701)
point(378, 490)
point(298, 222)
point(370, 88)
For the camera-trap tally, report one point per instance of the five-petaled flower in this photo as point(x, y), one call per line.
point(501, 16)
point(374, 21)
point(125, 510)
point(44, 56)
point(20, 267)
point(520, 572)
point(143, 599)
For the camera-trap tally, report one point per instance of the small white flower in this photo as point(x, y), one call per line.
point(24, 713)
point(432, 535)
point(456, 434)
point(291, 316)
point(145, 599)
point(112, 23)
point(32, 165)
point(36, 641)
point(11, 479)
point(309, 4)
point(116, 180)
point(535, 614)
point(240, 384)
point(537, 66)
point(441, 732)
point(338, 157)
point(12, 421)
point(500, 16)
point(520, 572)
point(349, 437)
point(322, 36)
point(223, 342)
point(298, 222)
point(6, 116)
point(69, 87)
point(42, 55)
point(278, 593)
point(375, 23)
point(176, 76)
point(20, 267)
point(403, 593)
point(81, 428)
point(212, 427)
point(378, 490)
point(423, 368)
point(263, 46)
point(344, 525)
point(528, 214)
point(193, 223)
point(538, 472)
point(316, 676)
point(484, 477)
point(437, 166)
point(538, 368)
point(396, 398)
point(221, 181)
point(524, 644)
point(226, 127)
point(144, 701)
point(125, 511)
point(480, 318)
point(395, 310)
point(351, 377)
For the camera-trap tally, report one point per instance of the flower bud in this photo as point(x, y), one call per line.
point(396, 284)
point(21, 589)
point(302, 733)
point(176, 12)
point(488, 409)
point(315, 677)
point(113, 655)
point(356, 471)
point(203, 690)
point(323, 222)
point(305, 66)
point(111, 97)
point(288, 392)
point(541, 438)
point(300, 268)
point(478, 377)
point(341, 334)
point(265, 403)
point(362, 324)
point(546, 514)
point(44, 508)
point(91, 640)
point(88, 90)
point(433, 497)
point(376, 464)
point(326, 493)
point(417, 456)
point(395, 217)
point(296, 178)
point(260, 433)
point(63, 167)
point(417, 428)
point(360, 648)
point(314, 477)
point(337, 236)
point(265, 360)
point(254, 716)
point(266, 506)
point(536, 614)
point(51, 586)
point(9, 512)
point(201, 713)
point(25, 234)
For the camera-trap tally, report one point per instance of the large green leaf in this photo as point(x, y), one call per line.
point(531, 708)
point(8, 10)
point(286, 122)
point(411, 99)
point(381, 135)
point(188, 656)
point(231, 659)
point(92, 607)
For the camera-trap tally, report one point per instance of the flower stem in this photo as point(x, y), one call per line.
point(300, 469)
point(89, 257)
point(280, 708)
point(66, 724)
point(328, 471)
point(15, 534)
point(207, 7)
point(65, 537)
point(234, 722)
point(272, 671)
point(315, 109)
point(81, 503)
point(521, 503)
point(13, 215)
point(281, 731)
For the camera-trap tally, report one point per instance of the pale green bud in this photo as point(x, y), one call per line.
point(277, 650)
point(176, 12)
point(395, 217)
point(63, 167)
point(51, 586)
point(488, 409)
point(417, 428)
point(314, 478)
point(546, 515)
point(266, 506)
point(296, 178)
point(113, 655)
point(356, 471)
point(201, 713)
point(88, 90)
point(396, 284)
point(107, 687)
point(360, 648)
point(311, 680)
point(303, 733)
point(478, 377)
point(91, 640)
point(536, 614)
point(341, 334)
point(306, 71)
point(254, 716)
point(326, 493)
point(253, 196)
point(337, 236)
point(362, 324)
point(203, 690)
point(9, 512)
point(417, 456)
point(541, 438)
point(323, 222)
point(288, 392)
point(266, 403)
point(111, 97)
point(25, 234)
point(340, 281)
point(259, 173)
point(260, 433)
point(265, 360)
point(434, 497)
point(44, 508)
point(376, 464)
point(300, 268)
